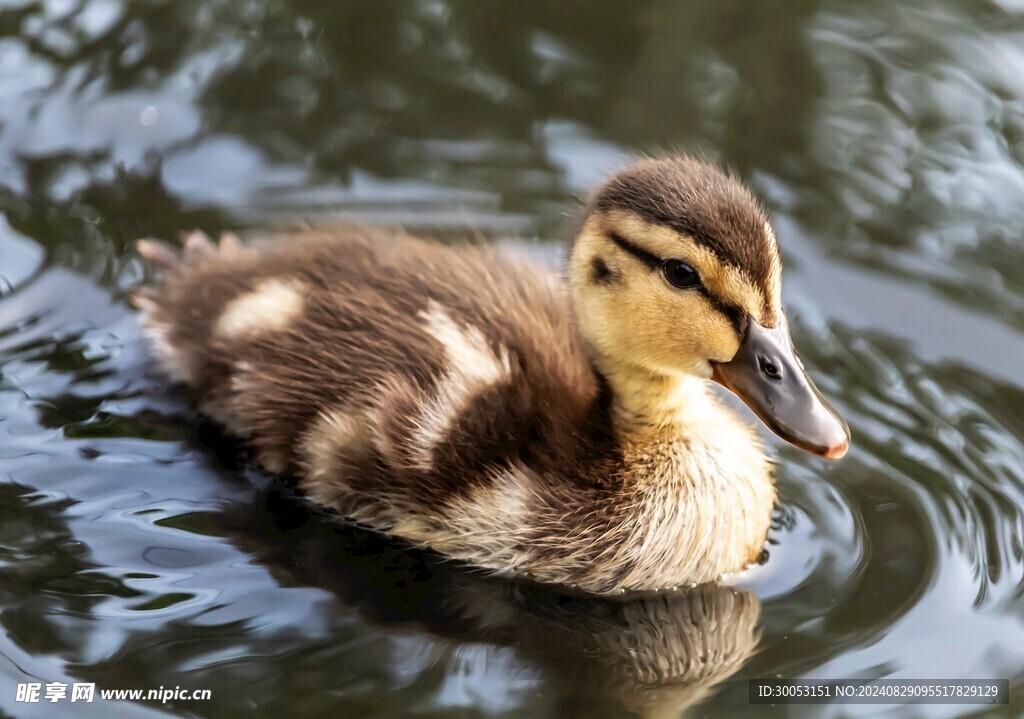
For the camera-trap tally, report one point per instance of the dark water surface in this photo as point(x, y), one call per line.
point(136, 549)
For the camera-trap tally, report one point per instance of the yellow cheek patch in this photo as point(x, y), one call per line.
point(719, 337)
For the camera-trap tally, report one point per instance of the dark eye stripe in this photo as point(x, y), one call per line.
point(736, 315)
point(648, 258)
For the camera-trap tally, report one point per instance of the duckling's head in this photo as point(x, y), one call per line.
point(676, 271)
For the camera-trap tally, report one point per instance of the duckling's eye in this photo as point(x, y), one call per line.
point(679, 274)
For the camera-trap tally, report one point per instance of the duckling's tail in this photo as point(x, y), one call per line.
point(170, 333)
point(197, 247)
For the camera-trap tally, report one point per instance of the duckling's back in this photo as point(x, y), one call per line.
point(392, 375)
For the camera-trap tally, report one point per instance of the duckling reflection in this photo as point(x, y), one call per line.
point(653, 655)
point(657, 655)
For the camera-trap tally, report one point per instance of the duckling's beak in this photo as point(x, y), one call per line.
point(767, 374)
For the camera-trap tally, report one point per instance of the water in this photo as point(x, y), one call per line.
point(138, 551)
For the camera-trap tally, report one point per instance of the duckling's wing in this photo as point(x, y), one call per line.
point(385, 371)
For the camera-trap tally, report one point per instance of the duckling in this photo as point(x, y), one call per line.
point(469, 402)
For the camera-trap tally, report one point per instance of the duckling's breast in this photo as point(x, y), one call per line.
point(703, 510)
